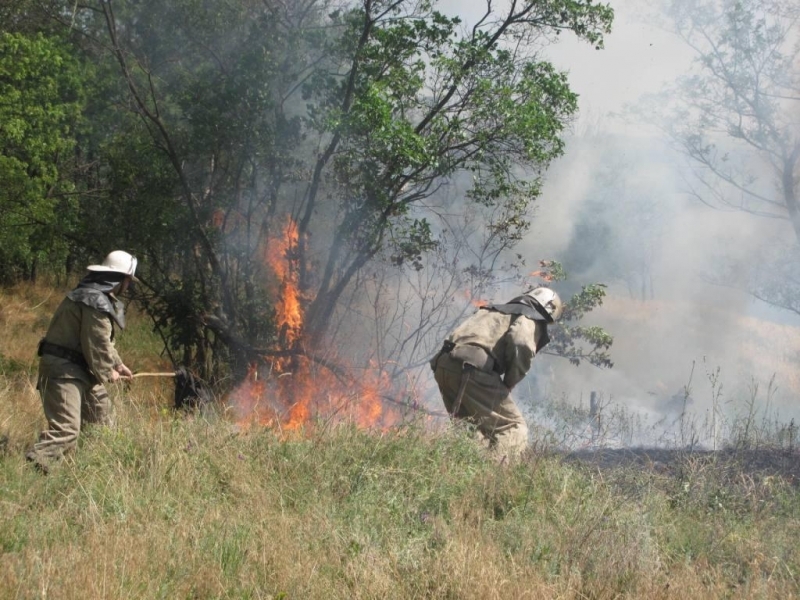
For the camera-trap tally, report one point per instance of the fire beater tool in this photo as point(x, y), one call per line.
point(190, 390)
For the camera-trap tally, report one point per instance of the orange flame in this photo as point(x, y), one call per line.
point(472, 299)
point(542, 275)
point(300, 391)
point(310, 396)
point(281, 257)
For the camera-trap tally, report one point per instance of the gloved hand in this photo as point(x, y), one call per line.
point(121, 372)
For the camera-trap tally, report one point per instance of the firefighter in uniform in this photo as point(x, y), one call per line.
point(77, 356)
point(485, 357)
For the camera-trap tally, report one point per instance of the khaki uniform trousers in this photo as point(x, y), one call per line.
point(67, 404)
point(486, 403)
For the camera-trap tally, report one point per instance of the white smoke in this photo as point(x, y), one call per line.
point(680, 334)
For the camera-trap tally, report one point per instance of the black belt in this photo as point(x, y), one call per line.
point(72, 356)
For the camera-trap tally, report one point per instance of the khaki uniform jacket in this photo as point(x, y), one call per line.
point(86, 330)
point(511, 340)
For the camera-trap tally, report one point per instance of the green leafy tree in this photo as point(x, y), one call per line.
point(193, 145)
point(410, 99)
point(578, 342)
point(216, 125)
point(40, 108)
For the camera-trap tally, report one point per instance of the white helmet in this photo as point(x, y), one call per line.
point(117, 261)
point(548, 303)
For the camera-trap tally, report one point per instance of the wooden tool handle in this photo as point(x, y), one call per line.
point(170, 374)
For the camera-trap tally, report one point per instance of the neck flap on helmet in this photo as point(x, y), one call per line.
point(95, 291)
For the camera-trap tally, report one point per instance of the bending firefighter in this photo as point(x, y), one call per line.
point(78, 356)
point(486, 356)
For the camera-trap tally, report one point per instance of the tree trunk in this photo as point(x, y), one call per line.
point(789, 192)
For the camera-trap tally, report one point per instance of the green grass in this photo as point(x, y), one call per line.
point(182, 507)
point(169, 506)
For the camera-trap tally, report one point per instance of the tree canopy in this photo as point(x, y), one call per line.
point(260, 154)
point(41, 98)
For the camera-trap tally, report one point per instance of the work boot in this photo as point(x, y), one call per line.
point(41, 465)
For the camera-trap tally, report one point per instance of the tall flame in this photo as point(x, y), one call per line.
point(302, 389)
point(281, 257)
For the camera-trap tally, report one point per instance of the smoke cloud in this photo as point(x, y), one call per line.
point(615, 209)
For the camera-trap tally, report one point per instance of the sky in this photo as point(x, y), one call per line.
point(638, 57)
point(690, 334)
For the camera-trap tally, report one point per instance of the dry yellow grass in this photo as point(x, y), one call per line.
point(170, 506)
